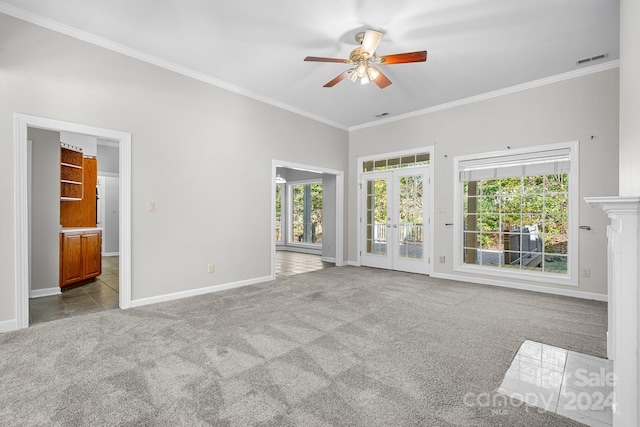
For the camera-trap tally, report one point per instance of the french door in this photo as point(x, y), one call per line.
point(394, 220)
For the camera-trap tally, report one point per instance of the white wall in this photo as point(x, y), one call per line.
point(570, 110)
point(630, 126)
point(629, 98)
point(328, 216)
point(110, 221)
point(108, 171)
point(45, 209)
point(188, 137)
point(108, 159)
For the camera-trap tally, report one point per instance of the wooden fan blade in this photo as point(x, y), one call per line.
point(370, 42)
point(319, 59)
point(403, 58)
point(336, 80)
point(382, 81)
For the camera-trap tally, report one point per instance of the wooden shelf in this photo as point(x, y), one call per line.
point(70, 157)
point(71, 174)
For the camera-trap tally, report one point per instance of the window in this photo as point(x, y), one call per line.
point(306, 213)
point(279, 192)
point(516, 213)
point(405, 161)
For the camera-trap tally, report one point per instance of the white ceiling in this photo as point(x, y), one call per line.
point(257, 47)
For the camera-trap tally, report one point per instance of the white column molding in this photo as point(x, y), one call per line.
point(622, 337)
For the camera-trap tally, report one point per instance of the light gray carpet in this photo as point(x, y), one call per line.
point(341, 346)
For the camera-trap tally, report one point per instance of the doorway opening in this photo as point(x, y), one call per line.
point(307, 218)
point(23, 209)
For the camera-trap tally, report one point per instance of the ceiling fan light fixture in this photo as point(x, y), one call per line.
point(363, 59)
point(372, 73)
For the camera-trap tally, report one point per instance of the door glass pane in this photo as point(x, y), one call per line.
point(279, 213)
point(410, 217)
point(376, 217)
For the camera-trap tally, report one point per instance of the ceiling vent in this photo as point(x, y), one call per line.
point(382, 114)
point(592, 58)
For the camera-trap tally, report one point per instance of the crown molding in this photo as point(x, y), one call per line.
point(494, 94)
point(136, 54)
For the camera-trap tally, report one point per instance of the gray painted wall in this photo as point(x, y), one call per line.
point(45, 209)
point(109, 163)
point(570, 110)
point(111, 220)
point(108, 159)
point(188, 138)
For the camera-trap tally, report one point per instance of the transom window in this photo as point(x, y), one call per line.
point(409, 160)
point(516, 213)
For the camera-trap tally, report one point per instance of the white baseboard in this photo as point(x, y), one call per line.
point(111, 254)
point(8, 325)
point(302, 250)
point(199, 291)
point(39, 293)
point(524, 287)
point(328, 259)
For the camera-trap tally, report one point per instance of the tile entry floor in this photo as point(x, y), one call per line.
point(103, 294)
point(290, 263)
point(571, 384)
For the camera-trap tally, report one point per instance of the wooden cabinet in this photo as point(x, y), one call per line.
point(71, 176)
point(80, 256)
point(92, 254)
point(82, 212)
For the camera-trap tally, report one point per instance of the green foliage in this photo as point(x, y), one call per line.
point(278, 202)
point(507, 204)
point(298, 208)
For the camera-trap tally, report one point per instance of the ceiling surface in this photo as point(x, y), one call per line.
point(257, 47)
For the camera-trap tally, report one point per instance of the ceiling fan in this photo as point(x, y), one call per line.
point(363, 59)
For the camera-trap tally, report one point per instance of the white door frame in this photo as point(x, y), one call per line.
point(21, 207)
point(339, 207)
point(101, 210)
point(429, 149)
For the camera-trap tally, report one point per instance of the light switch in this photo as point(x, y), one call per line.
point(151, 206)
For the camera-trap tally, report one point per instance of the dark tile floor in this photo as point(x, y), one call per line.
point(99, 295)
point(290, 263)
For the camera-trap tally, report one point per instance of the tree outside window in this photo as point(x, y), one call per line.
point(306, 213)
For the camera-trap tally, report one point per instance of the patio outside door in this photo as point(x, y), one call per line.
point(394, 220)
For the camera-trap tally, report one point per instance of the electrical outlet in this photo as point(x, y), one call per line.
point(442, 259)
point(586, 273)
point(210, 268)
